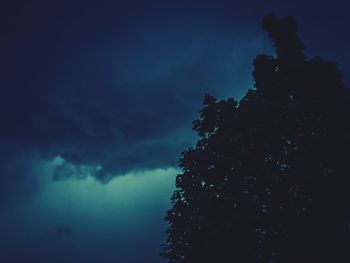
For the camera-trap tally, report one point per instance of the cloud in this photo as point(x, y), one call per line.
point(63, 169)
point(123, 105)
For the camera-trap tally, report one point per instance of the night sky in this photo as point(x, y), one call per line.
point(97, 100)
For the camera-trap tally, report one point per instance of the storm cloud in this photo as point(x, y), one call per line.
point(113, 90)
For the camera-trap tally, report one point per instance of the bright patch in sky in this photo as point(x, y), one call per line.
point(74, 216)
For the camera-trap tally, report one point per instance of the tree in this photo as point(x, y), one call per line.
point(268, 179)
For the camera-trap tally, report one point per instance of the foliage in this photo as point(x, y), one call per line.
point(268, 178)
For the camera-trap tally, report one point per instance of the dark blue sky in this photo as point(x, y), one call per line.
point(96, 104)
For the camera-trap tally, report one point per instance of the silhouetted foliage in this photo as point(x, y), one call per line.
point(268, 180)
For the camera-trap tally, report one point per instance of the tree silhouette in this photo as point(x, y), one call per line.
point(268, 180)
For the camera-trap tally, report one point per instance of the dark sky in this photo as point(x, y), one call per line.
point(96, 104)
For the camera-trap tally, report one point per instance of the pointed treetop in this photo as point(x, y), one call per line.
point(284, 34)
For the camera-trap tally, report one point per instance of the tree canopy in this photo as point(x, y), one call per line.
point(268, 180)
